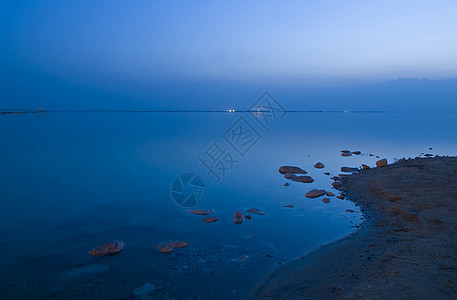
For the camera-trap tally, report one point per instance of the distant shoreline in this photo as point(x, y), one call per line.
point(407, 248)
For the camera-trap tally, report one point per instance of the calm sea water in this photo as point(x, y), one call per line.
point(73, 181)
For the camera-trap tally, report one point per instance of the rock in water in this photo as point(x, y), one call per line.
point(326, 200)
point(330, 194)
point(381, 163)
point(290, 175)
point(337, 184)
point(144, 290)
point(201, 211)
point(365, 167)
point(315, 193)
point(356, 152)
point(290, 169)
point(288, 206)
point(319, 165)
point(110, 248)
point(303, 178)
point(210, 220)
point(256, 211)
point(348, 169)
point(286, 184)
point(238, 217)
point(327, 173)
point(346, 154)
point(167, 247)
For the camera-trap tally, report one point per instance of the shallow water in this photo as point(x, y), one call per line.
point(72, 181)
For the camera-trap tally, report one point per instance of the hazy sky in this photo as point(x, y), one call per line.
point(102, 43)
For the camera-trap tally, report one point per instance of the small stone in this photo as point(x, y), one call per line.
point(144, 290)
point(381, 163)
point(110, 248)
point(346, 154)
point(348, 169)
point(248, 217)
point(314, 193)
point(371, 154)
point(330, 194)
point(201, 212)
point(340, 197)
point(291, 169)
point(168, 246)
point(288, 206)
point(327, 173)
point(290, 175)
point(238, 217)
point(337, 178)
point(365, 167)
point(303, 178)
point(326, 200)
point(286, 184)
point(256, 211)
point(210, 220)
point(337, 184)
point(345, 151)
point(319, 165)
point(356, 152)
point(350, 210)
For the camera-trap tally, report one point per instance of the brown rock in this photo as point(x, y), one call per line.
point(346, 154)
point(381, 163)
point(330, 194)
point(290, 169)
point(356, 152)
point(238, 217)
point(167, 247)
point(303, 178)
point(314, 193)
point(340, 197)
point(326, 200)
point(348, 169)
point(337, 178)
point(327, 173)
point(349, 210)
point(248, 217)
point(201, 211)
point(256, 211)
point(290, 175)
point(337, 184)
point(371, 154)
point(110, 248)
point(210, 220)
point(319, 165)
point(288, 206)
point(365, 167)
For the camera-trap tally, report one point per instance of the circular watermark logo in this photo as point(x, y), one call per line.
point(188, 190)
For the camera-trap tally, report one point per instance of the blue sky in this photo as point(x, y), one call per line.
point(122, 47)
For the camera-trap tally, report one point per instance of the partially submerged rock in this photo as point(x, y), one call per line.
point(291, 169)
point(356, 152)
point(381, 163)
point(314, 193)
point(349, 169)
point(303, 178)
point(238, 217)
point(290, 175)
point(286, 184)
point(110, 248)
point(365, 167)
point(256, 211)
point(326, 200)
point(346, 154)
point(167, 247)
point(337, 184)
point(327, 173)
point(330, 194)
point(319, 165)
point(201, 211)
point(210, 220)
point(288, 206)
point(144, 290)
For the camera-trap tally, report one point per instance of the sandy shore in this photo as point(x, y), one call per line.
point(407, 248)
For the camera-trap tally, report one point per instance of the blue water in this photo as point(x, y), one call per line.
point(72, 181)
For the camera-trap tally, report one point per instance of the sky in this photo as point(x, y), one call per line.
point(145, 52)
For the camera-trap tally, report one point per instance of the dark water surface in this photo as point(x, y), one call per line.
point(72, 181)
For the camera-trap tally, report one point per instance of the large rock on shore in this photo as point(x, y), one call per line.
point(291, 169)
point(381, 163)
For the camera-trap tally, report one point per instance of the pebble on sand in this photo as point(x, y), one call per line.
point(314, 193)
point(319, 165)
point(210, 220)
point(167, 247)
point(144, 290)
point(110, 248)
point(201, 211)
point(238, 217)
point(303, 178)
point(381, 163)
point(291, 169)
point(326, 200)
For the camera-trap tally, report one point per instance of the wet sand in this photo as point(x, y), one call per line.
point(407, 248)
